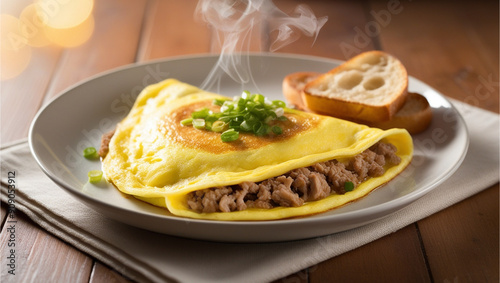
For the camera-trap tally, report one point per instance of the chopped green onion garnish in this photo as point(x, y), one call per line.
point(277, 130)
point(251, 113)
point(259, 98)
point(348, 186)
point(246, 94)
point(201, 114)
point(187, 122)
point(262, 130)
point(218, 102)
point(95, 176)
point(199, 123)
point(245, 126)
point(90, 153)
point(219, 126)
point(229, 135)
point(279, 112)
point(279, 103)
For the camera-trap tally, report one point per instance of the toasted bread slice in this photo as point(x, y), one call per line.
point(371, 87)
point(415, 115)
point(293, 84)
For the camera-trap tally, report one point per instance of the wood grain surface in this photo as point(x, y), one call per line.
point(451, 45)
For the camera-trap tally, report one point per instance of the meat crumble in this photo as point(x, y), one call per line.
point(105, 139)
point(299, 185)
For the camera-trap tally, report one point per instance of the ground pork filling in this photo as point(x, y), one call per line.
point(297, 186)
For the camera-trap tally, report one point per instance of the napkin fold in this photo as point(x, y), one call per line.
point(148, 256)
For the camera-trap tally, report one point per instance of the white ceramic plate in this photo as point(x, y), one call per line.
point(77, 118)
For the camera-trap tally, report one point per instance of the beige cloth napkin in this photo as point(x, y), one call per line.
point(148, 256)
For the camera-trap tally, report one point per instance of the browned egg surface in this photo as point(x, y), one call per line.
point(211, 142)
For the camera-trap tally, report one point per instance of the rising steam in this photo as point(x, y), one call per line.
point(238, 24)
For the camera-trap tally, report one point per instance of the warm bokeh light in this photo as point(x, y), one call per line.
point(64, 14)
point(71, 37)
point(63, 23)
point(32, 27)
point(15, 54)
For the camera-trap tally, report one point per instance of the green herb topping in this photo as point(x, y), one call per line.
point(90, 153)
point(348, 186)
point(252, 113)
point(95, 176)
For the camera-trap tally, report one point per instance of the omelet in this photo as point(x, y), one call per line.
point(155, 158)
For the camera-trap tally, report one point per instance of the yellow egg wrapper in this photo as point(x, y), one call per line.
point(154, 158)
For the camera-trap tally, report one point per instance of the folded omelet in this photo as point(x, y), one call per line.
point(156, 159)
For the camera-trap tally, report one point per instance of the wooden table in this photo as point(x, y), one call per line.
point(450, 45)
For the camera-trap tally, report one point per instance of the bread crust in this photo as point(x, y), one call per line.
point(293, 84)
point(415, 116)
point(352, 108)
